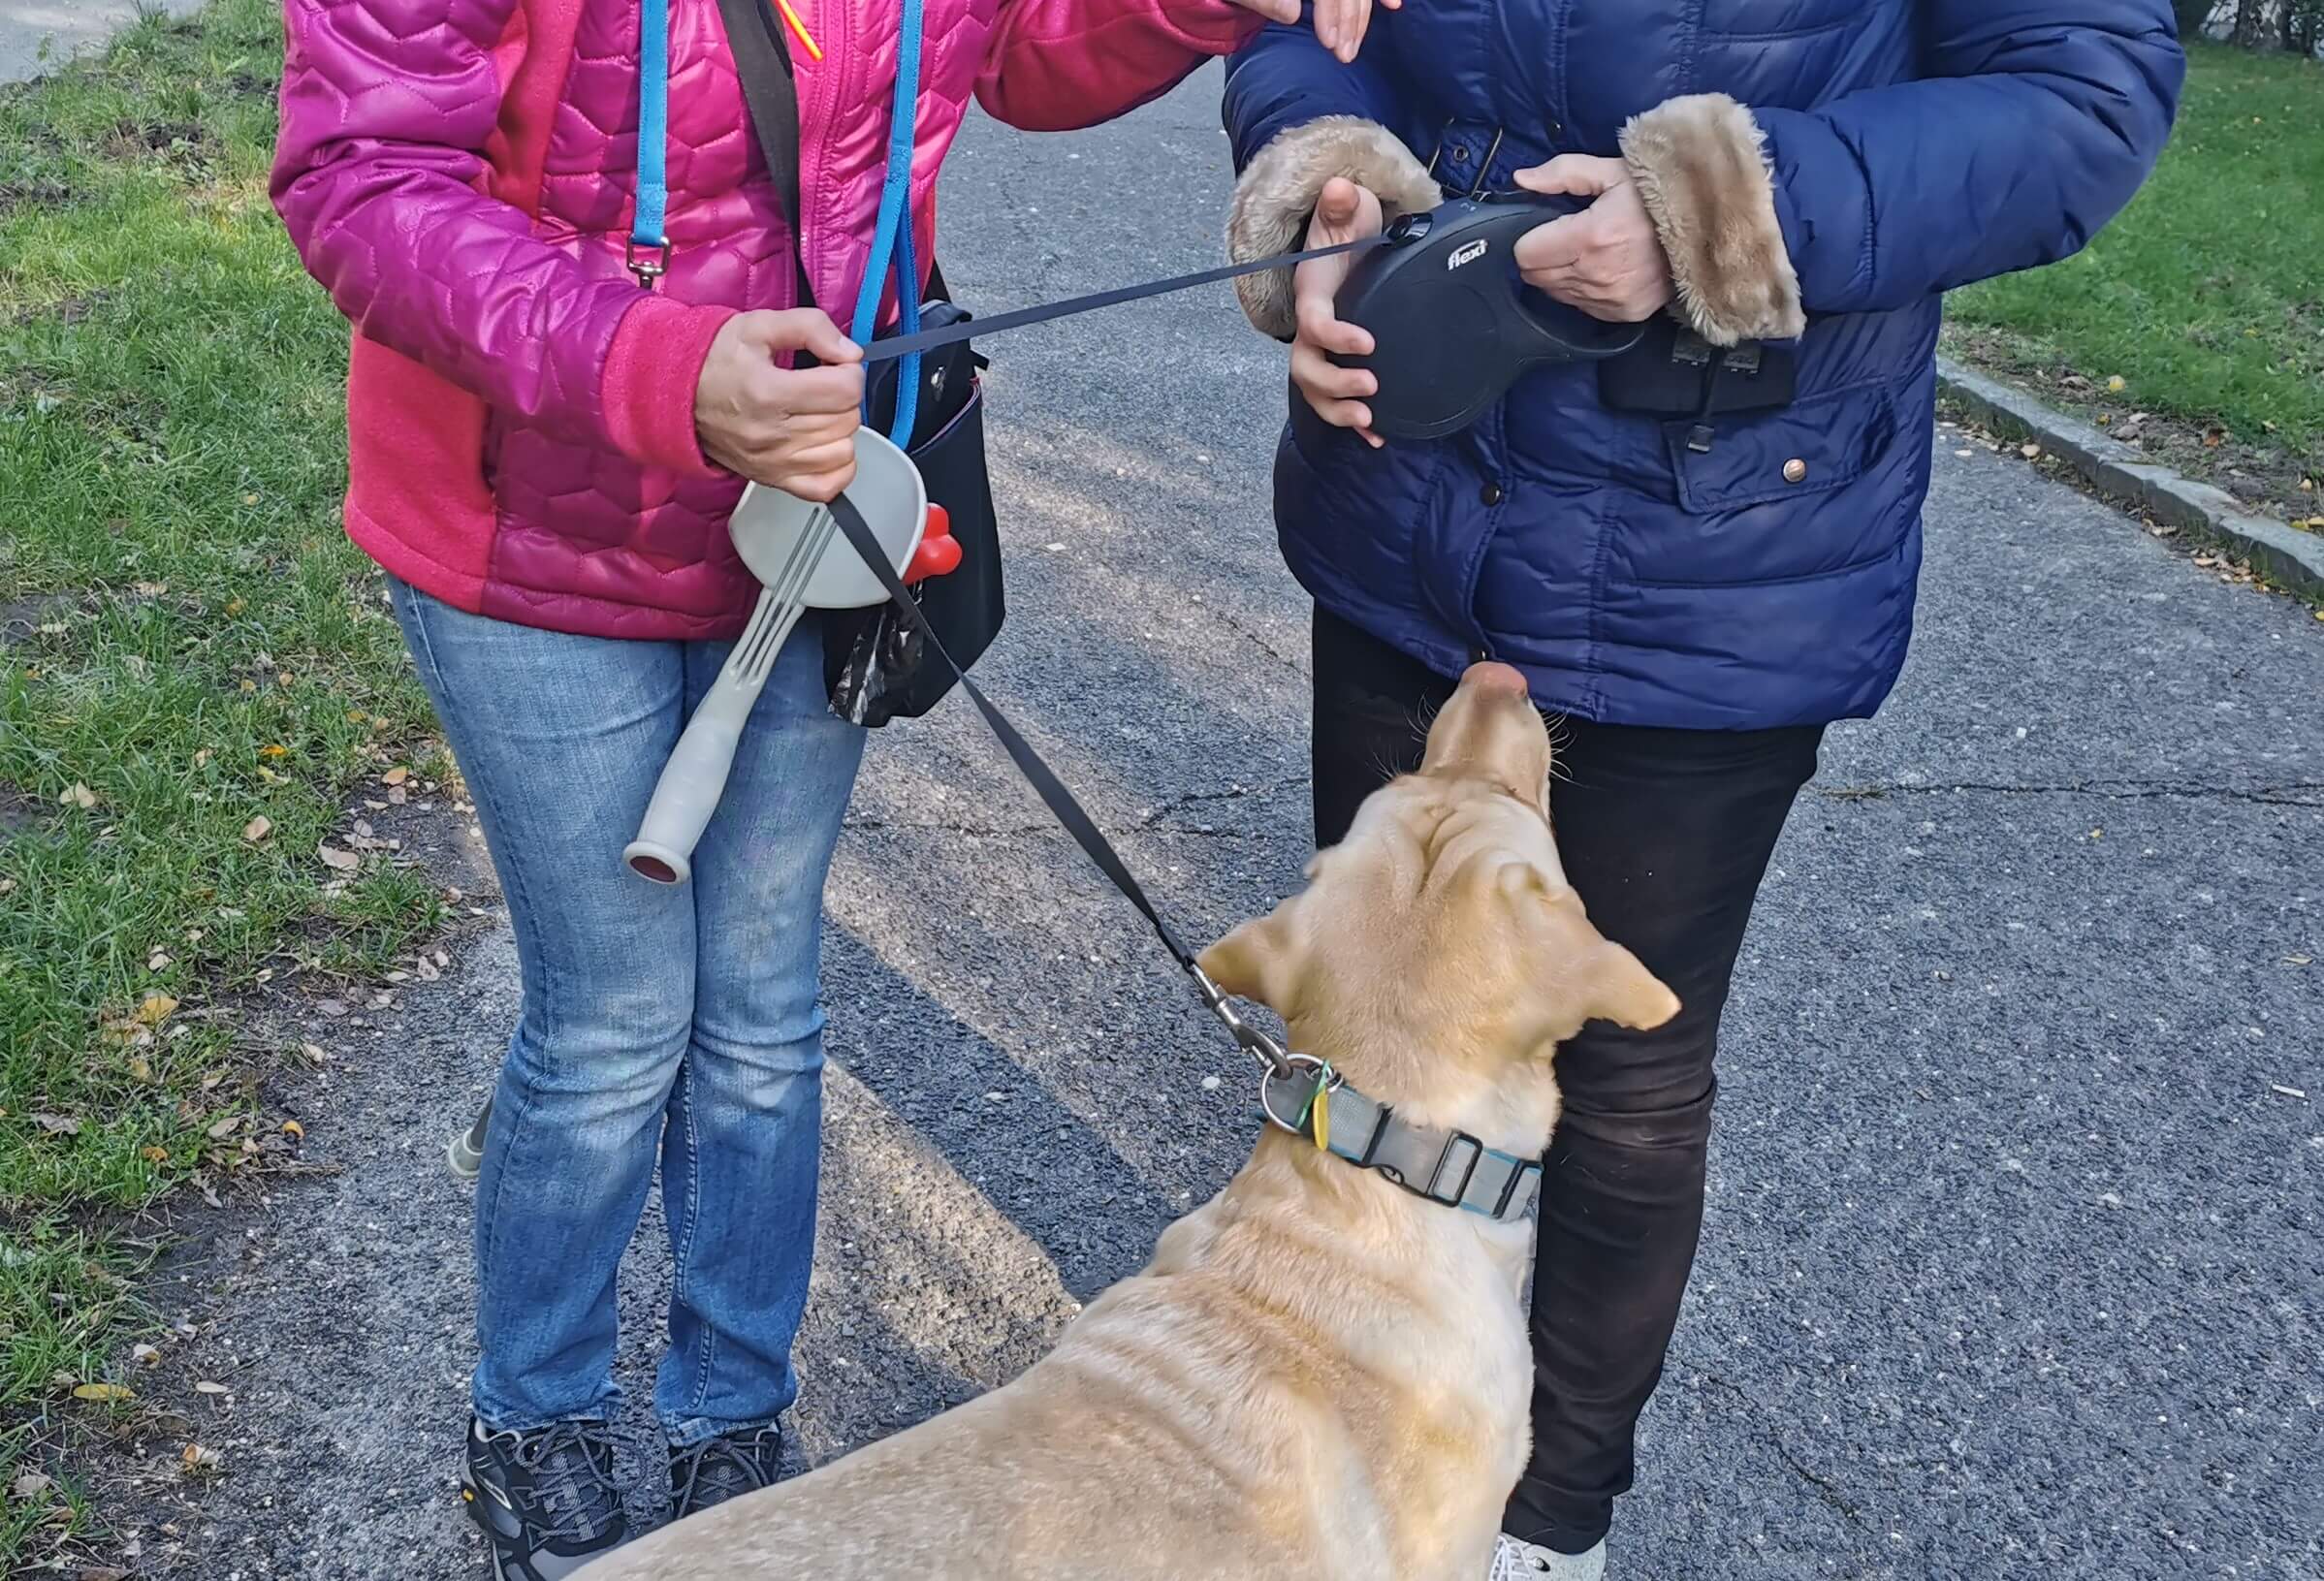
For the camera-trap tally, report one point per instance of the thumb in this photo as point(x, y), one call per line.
point(801, 329)
point(1575, 175)
point(1337, 203)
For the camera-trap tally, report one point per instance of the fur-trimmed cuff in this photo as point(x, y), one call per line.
point(1700, 164)
point(1275, 198)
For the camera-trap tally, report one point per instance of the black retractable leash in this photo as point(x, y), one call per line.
point(1452, 326)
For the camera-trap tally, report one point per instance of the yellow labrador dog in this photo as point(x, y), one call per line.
point(1323, 1373)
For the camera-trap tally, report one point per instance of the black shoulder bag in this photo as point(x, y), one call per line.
point(875, 663)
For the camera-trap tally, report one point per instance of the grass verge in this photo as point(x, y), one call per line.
point(195, 671)
point(2204, 299)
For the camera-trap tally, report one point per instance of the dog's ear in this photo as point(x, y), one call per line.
point(1259, 960)
point(1624, 991)
point(1615, 985)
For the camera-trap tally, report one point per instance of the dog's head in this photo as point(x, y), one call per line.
point(1437, 956)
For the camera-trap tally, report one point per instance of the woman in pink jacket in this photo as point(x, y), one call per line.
point(544, 442)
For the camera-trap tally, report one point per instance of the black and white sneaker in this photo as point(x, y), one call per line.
point(724, 1467)
point(547, 1499)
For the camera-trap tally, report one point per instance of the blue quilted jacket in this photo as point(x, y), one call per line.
point(1820, 172)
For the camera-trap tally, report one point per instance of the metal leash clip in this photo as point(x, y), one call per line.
point(1252, 1040)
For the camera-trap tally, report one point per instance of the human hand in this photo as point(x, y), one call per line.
point(1606, 260)
point(1343, 212)
point(1340, 24)
point(789, 428)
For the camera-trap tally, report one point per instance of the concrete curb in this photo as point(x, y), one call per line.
point(2284, 555)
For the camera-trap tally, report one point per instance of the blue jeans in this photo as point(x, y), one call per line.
point(682, 1025)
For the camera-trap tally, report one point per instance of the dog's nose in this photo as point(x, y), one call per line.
point(1492, 676)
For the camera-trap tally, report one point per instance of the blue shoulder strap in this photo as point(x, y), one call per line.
point(893, 240)
point(653, 137)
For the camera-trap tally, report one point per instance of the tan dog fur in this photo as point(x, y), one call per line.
point(1318, 1375)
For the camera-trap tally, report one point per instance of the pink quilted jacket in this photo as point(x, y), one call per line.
point(460, 176)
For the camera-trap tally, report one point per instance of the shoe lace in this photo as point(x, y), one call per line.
point(1514, 1561)
point(571, 1469)
point(723, 1468)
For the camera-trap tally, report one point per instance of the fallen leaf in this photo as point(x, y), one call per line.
point(78, 795)
point(2296, 960)
point(312, 1051)
point(206, 1386)
point(395, 776)
point(158, 961)
point(275, 751)
point(224, 1128)
point(257, 829)
point(2029, 452)
point(294, 1128)
point(151, 589)
point(154, 1156)
point(139, 1067)
point(7, 886)
point(155, 1008)
point(199, 1459)
point(103, 1391)
point(337, 860)
point(2117, 384)
point(144, 1356)
point(30, 1485)
point(57, 1124)
point(202, 758)
point(235, 606)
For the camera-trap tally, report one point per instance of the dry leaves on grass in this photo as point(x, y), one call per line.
point(104, 1393)
point(57, 1124)
point(256, 830)
point(78, 795)
point(337, 860)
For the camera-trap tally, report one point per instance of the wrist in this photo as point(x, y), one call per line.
point(653, 373)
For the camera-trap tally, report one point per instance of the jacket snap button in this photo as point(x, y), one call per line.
point(1460, 155)
point(1490, 493)
point(1794, 470)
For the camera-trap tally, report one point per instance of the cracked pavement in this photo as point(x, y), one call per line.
point(2014, 1244)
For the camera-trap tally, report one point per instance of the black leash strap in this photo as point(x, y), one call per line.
point(1038, 774)
point(930, 339)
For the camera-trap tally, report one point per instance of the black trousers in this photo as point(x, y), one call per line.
point(1666, 835)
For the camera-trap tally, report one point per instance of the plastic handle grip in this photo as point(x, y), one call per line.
point(689, 788)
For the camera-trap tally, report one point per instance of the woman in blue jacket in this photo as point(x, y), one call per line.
point(1697, 582)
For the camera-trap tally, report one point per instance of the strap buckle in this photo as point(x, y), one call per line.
point(1460, 1191)
point(649, 261)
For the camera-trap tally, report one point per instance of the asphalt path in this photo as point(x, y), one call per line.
point(2015, 1242)
point(37, 36)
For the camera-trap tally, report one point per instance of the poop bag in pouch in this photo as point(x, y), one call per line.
point(877, 667)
